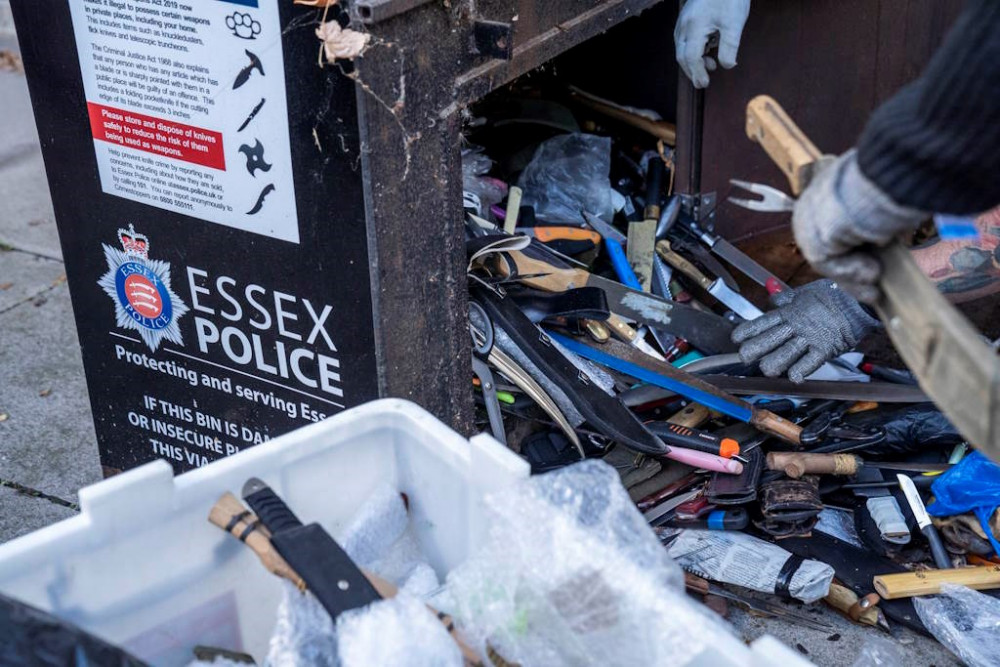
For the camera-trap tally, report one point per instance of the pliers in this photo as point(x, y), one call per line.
point(770, 199)
point(481, 330)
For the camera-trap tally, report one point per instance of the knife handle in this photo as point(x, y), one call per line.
point(269, 507)
point(938, 552)
point(694, 438)
point(703, 460)
point(229, 514)
point(670, 256)
point(789, 148)
point(619, 261)
point(767, 421)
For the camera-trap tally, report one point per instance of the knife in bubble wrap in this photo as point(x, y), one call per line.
point(704, 330)
point(327, 570)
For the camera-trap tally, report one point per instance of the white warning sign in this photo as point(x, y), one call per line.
point(187, 108)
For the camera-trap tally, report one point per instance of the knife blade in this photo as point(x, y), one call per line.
point(717, 288)
point(736, 257)
point(938, 552)
point(669, 505)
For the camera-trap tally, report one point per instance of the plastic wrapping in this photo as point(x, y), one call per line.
point(567, 175)
point(914, 428)
point(744, 560)
point(971, 486)
point(966, 622)
point(880, 652)
point(484, 190)
point(398, 632)
point(571, 574)
point(303, 632)
point(381, 539)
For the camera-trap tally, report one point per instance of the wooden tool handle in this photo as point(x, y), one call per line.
point(797, 464)
point(785, 143)
point(696, 584)
point(621, 329)
point(670, 256)
point(846, 601)
point(767, 421)
point(252, 533)
point(928, 582)
point(693, 416)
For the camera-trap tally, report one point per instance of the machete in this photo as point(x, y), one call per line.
point(957, 369)
point(705, 330)
point(624, 359)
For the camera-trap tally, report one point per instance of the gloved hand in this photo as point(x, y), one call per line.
point(698, 20)
point(811, 325)
point(840, 212)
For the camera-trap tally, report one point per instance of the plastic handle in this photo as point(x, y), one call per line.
point(693, 438)
point(619, 260)
point(705, 461)
point(272, 510)
point(938, 552)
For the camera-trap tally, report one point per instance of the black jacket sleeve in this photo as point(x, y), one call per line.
point(935, 145)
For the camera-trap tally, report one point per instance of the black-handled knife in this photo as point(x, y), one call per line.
point(938, 552)
point(328, 571)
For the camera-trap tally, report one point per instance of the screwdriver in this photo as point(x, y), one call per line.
point(697, 439)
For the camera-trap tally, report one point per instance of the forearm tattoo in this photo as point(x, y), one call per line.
point(965, 270)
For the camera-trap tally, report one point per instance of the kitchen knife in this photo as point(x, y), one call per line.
point(734, 256)
point(717, 288)
point(938, 551)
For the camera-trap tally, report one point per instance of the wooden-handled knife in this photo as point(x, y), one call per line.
point(956, 368)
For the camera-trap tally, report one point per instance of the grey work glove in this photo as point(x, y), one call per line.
point(811, 325)
point(697, 22)
point(840, 213)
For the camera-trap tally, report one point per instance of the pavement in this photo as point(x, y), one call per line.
point(48, 448)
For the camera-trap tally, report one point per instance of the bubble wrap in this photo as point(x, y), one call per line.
point(965, 621)
point(572, 575)
point(380, 538)
point(303, 632)
point(397, 632)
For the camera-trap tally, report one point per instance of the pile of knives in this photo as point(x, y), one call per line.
point(609, 337)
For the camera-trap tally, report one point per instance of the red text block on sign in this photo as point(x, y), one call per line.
point(157, 136)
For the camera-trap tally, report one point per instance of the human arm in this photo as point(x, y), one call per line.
point(933, 147)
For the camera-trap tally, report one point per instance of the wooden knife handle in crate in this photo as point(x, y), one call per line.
point(956, 368)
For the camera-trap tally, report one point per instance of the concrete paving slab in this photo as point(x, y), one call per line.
point(25, 275)
point(47, 441)
point(21, 514)
point(26, 218)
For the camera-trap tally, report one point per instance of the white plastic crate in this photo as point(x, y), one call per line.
point(142, 567)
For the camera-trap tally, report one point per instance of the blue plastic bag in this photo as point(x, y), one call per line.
point(971, 486)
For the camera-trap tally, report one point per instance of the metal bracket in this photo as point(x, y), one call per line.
point(493, 39)
point(376, 11)
point(699, 206)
